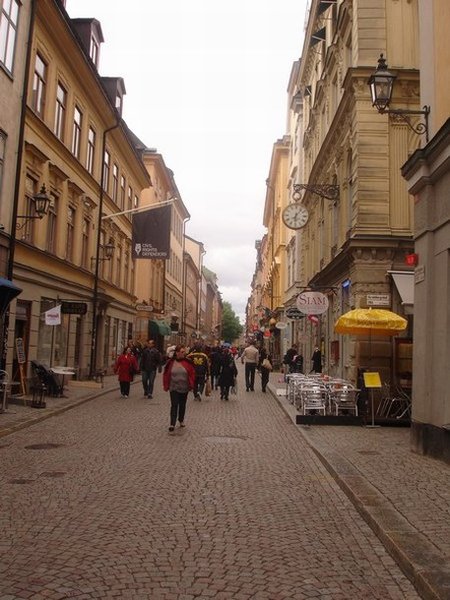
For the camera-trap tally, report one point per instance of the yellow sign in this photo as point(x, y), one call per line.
point(372, 380)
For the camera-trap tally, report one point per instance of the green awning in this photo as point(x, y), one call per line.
point(163, 328)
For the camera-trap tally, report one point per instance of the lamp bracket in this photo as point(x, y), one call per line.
point(324, 190)
point(404, 115)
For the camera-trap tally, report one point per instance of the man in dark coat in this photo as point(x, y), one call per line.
point(150, 362)
point(227, 373)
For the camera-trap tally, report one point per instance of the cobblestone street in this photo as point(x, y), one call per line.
point(100, 502)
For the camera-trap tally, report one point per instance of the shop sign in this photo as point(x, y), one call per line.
point(73, 308)
point(378, 299)
point(144, 307)
point(312, 303)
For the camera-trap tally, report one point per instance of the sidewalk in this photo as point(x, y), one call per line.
point(404, 497)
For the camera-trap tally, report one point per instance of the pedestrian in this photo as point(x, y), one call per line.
point(178, 380)
point(316, 360)
point(288, 358)
point(250, 358)
point(151, 361)
point(227, 373)
point(126, 367)
point(215, 359)
point(265, 366)
point(201, 365)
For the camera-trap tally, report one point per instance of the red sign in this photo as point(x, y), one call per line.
point(412, 259)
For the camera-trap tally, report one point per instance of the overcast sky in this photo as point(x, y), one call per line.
point(206, 85)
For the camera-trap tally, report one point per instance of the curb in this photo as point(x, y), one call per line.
point(416, 556)
point(51, 412)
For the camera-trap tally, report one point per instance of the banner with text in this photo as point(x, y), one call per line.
point(151, 233)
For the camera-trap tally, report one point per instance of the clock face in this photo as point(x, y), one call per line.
point(295, 216)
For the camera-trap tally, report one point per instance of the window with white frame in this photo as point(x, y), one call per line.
point(115, 182)
point(90, 151)
point(106, 170)
point(39, 85)
point(123, 186)
point(70, 233)
point(76, 131)
point(9, 18)
point(52, 226)
point(85, 229)
point(60, 112)
point(3, 137)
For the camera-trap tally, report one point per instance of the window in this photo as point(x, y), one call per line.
point(8, 29)
point(85, 243)
point(115, 189)
point(106, 170)
point(52, 224)
point(3, 137)
point(123, 186)
point(130, 197)
point(60, 114)
point(76, 131)
point(90, 151)
point(28, 227)
point(39, 85)
point(136, 201)
point(94, 50)
point(118, 253)
point(70, 236)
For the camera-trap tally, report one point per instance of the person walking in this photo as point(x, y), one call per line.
point(227, 373)
point(150, 362)
point(201, 365)
point(178, 380)
point(215, 357)
point(126, 367)
point(250, 358)
point(265, 366)
point(316, 360)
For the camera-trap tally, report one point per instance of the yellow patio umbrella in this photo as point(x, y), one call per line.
point(370, 322)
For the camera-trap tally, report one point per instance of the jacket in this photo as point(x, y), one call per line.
point(168, 370)
point(150, 359)
point(250, 355)
point(126, 366)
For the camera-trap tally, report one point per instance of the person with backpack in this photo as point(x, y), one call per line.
point(150, 362)
point(201, 365)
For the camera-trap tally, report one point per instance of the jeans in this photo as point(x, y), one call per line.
point(148, 380)
point(124, 388)
point(224, 391)
point(199, 385)
point(264, 378)
point(177, 407)
point(250, 369)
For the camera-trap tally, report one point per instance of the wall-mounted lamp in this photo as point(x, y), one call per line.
point(107, 251)
point(324, 190)
point(41, 203)
point(381, 84)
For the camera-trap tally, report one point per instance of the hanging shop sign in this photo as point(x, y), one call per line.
point(312, 303)
point(73, 308)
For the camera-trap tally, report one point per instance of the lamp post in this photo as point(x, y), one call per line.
point(381, 84)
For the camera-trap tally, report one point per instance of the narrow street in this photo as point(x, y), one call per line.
point(101, 502)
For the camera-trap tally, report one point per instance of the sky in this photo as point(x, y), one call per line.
point(206, 85)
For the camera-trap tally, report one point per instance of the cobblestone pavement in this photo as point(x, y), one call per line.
point(100, 502)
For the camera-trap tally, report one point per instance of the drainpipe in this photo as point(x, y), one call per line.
point(93, 362)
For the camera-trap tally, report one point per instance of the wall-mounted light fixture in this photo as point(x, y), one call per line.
point(381, 84)
point(107, 251)
point(41, 203)
point(324, 190)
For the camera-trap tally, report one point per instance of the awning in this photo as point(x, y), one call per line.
point(8, 291)
point(163, 328)
point(404, 282)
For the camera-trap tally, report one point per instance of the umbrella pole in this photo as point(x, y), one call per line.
point(372, 426)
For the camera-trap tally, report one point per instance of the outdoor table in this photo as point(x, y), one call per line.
point(63, 372)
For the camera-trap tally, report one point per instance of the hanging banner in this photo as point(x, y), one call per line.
point(312, 303)
point(151, 233)
point(53, 316)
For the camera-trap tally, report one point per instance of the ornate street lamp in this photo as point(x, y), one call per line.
point(381, 84)
point(41, 203)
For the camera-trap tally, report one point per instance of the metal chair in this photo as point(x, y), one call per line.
point(313, 398)
point(345, 399)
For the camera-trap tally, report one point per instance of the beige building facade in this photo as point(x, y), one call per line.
point(427, 173)
point(78, 147)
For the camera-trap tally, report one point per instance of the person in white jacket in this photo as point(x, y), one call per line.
point(250, 358)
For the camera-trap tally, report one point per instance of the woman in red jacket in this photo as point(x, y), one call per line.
point(126, 366)
point(178, 380)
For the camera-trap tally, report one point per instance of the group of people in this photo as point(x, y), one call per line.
point(199, 370)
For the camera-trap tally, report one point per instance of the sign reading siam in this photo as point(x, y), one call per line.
point(312, 303)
